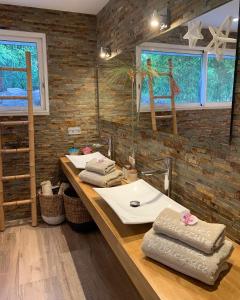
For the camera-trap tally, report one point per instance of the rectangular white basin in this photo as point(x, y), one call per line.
point(79, 161)
point(152, 202)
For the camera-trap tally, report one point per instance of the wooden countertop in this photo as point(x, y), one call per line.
point(153, 280)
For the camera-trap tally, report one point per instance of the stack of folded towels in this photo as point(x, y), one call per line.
point(198, 250)
point(101, 172)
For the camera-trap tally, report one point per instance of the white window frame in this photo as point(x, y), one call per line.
point(181, 49)
point(40, 40)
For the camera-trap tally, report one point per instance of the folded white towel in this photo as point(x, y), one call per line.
point(203, 236)
point(185, 259)
point(111, 179)
point(101, 166)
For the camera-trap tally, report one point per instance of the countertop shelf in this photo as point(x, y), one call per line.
point(153, 280)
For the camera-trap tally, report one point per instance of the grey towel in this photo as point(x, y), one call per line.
point(185, 259)
point(108, 180)
point(101, 166)
point(203, 236)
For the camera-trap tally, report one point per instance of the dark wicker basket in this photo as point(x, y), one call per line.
point(76, 212)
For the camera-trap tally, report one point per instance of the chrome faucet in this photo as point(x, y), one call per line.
point(107, 140)
point(167, 171)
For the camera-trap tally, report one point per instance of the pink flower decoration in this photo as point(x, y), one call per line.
point(87, 150)
point(188, 219)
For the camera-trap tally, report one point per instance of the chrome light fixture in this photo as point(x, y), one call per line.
point(160, 19)
point(105, 52)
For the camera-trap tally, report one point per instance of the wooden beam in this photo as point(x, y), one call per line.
point(175, 130)
point(17, 202)
point(15, 177)
point(2, 218)
point(13, 123)
point(13, 69)
point(151, 95)
point(13, 98)
point(18, 150)
point(31, 140)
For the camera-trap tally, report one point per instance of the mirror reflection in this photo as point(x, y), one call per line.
point(178, 83)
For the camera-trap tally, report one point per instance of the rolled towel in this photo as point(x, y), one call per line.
point(185, 259)
point(203, 236)
point(101, 166)
point(111, 179)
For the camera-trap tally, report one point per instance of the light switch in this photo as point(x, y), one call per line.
point(74, 130)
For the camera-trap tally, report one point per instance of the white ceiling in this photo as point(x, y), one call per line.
point(217, 16)
point(79, 6)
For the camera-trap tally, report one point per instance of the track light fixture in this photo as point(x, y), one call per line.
point(105, 52)
point(160, 19)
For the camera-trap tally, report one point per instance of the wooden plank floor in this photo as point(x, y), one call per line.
point(56, 263)
point(101, 274)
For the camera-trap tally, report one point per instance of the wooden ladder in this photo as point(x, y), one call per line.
point(30, 149)
point(173, 88)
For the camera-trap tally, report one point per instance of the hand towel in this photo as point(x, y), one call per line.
point(203, 236)
point(185, 259)
point(111, 179)
point(101, 166)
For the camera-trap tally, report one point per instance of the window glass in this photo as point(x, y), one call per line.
point(12, 54)
point(220, 76)
point(187, 73)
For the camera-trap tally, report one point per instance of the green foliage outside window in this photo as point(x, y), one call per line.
point(220, 79)
point(187, 70)
point(12, 54)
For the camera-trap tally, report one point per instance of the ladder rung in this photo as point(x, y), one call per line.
point(162, 97)
point(17, 202)
point(16, 177)
point(13, 97)
point(13, 69)
point(164, 117)
point(18, 150)
point(12, 123)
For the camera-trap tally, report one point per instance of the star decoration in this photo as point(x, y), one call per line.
point(220, 38)
point(194, 33)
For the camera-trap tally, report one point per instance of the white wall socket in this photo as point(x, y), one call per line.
point(74, 130)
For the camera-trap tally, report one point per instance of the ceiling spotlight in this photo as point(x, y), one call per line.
point(105, 52)
point(160, 19)
point(235, 19)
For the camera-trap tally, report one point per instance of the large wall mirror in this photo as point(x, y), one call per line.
point(189, 69)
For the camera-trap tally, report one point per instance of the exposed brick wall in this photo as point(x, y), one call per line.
point(71, 49)
point(205, 180)
point(125, 23)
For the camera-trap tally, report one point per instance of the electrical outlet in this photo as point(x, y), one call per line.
point(131, 161)
point(74, 130)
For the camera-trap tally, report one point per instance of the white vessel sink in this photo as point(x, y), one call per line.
point(152, 202)
point(79, 161)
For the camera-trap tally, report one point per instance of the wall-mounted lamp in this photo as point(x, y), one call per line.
point(105, 52)
point(160, 19)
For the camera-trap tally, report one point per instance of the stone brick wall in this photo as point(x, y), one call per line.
point(125, 23)
point(71, 50)
point(205, 180)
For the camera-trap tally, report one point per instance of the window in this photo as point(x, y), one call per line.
point(13, 45)
point(203, 81)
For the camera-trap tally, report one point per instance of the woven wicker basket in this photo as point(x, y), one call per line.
point(52, 209)
point(76, 212)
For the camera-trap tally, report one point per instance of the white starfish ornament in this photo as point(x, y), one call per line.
point(194, 33)
point(220, 38)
